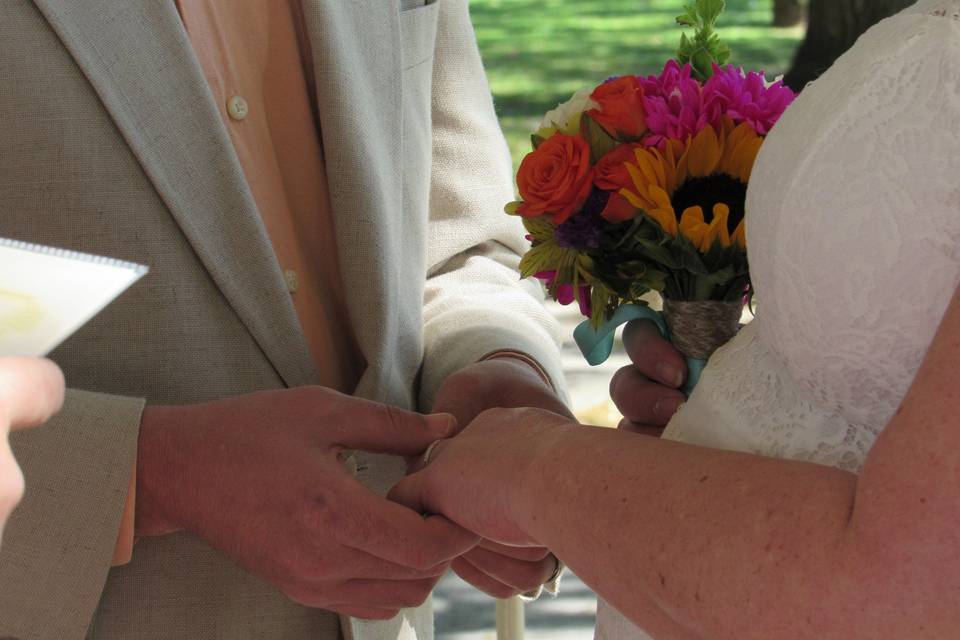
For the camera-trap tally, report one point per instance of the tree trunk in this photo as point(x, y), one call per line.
point(833, 27)
point(787, 13)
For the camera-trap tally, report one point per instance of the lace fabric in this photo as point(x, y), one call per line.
point(853, 224)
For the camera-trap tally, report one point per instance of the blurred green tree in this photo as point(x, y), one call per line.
point(787, 13)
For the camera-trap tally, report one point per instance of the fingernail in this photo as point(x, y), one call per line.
point(666, 407)
point(443, 423)
point(669, 374)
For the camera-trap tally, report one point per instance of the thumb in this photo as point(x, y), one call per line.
point(381, 428)
point(31, 390)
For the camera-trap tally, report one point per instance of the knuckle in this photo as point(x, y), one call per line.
point(393, 417)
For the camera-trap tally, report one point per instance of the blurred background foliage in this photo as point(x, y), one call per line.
point(539, 52)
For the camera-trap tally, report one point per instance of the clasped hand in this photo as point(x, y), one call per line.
point(475, 478)
point(261, 478)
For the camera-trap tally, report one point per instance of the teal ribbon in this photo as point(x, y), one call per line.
point(597, 344)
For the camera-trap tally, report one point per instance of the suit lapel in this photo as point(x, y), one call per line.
point(356, 55)
point(138, 58)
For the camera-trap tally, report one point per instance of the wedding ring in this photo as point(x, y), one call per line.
point(429, 451)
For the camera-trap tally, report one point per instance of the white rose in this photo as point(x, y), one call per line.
point(566, 117)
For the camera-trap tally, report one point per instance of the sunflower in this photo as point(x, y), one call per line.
point(697, 189)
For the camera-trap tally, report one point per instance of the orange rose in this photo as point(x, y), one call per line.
point(621, 111)
point(611, 172)
point(555, 178)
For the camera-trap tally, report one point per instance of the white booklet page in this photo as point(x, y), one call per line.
point(46, 294)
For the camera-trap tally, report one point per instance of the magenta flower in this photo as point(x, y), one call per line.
point(674, 104)
point(745, 97)
point(565, 293)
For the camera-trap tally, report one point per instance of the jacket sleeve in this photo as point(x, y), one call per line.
point(57, 547)
point(475, 302)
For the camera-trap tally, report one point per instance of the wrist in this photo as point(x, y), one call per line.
point(153, 515)
point(517, 358)
point(537, 478)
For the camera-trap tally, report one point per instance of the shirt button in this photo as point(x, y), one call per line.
point(293, 280)
point(238, 108)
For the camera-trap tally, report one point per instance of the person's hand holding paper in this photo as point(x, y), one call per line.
point(45, 295)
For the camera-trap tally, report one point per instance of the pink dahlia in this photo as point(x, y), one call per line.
point(674, 105)
point(745, 97)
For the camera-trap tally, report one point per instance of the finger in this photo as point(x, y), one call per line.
point(382, 428)
point(640, 429)
point(485, 583)
point(409, 492)
point(401, 535)
point(363, 612)
point(641, 400)
point(31, 390)
point(417, 463)
point(385, 594)
point(654, 355)
point(354, 563)
point(528, 554)
point(522, 576)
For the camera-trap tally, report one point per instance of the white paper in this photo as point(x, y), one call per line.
point(46, 294)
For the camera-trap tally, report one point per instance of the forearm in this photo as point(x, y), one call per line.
point(714, 542)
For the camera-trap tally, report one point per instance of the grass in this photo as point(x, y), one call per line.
point(539, 52)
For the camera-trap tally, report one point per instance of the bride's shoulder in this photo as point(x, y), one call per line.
point(936, 9)
point(926, 28)
point(915, 50)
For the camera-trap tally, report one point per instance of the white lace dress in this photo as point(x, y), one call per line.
point(853, 221)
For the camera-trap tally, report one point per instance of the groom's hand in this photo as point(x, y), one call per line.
point(504, 382)
point(261, 478)
point(647, 391)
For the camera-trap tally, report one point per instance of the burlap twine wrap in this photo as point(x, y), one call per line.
point(698, 329)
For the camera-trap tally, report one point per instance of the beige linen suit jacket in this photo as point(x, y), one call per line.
point(111, 143)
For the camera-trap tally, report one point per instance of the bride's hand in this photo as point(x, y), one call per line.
point(471, 478)
point(647, 391)
point(506, 381)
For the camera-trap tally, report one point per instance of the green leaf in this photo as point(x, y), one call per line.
point(601, 143)
point(536, 141)
point(689, 257)
point(547, 256)
point(512, 208)
point(705, 47)
point(540, 228)
point(658, 252)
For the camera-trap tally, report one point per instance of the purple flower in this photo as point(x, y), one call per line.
point(565, 292)
point(745, 97)
point(582, 231)
point(674, 105)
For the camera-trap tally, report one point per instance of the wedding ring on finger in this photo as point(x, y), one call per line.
point(429, 452)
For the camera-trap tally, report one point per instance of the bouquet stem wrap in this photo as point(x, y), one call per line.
point(697, 329)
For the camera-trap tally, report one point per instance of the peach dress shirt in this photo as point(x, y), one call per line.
point(257, 60)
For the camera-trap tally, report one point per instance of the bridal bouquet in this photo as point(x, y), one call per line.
point(639, 185)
